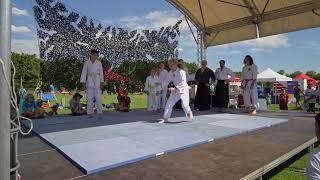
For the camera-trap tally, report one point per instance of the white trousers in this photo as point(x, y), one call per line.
point(94, 93)
point(173, 99)
point(250, 96)
point(153, 102)
point(163, 98)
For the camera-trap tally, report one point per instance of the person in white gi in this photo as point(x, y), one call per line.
point(152, 88)
point(310, 99)
point(180, 91)
point(313, 166)
point(163, 95)
point(249, 84)
point(91, 78)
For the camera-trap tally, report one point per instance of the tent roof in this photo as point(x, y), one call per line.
point(226, 21)
point(304, 76)
point(270, 75)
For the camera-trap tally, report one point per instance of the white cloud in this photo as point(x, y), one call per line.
point(180, 49)
point(276, 41)
point(152, 20)
point(265, 44)
point(20, 29)
point(20, 12)
point(29, 46)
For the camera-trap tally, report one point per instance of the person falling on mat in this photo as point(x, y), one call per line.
point(91, 78)
point(180, 91)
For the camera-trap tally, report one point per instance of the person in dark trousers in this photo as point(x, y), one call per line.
point(202, 78)
point(297, 95)
point(224, 75)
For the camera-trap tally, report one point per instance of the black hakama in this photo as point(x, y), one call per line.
point(222, 94)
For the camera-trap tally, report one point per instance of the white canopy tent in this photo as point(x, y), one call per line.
point(226, 21)
point(269, 75)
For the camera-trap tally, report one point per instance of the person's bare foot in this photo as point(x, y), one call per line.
point(254, 112)
point(190, 116)
point(163, 120)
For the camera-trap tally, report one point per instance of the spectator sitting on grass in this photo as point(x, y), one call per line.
point(313, 167)
point(124, 103)
point(31, 109)
point(54, 110)
point(76, 106)
point(123, 100)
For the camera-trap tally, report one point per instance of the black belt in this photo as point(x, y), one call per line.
point(246, 82)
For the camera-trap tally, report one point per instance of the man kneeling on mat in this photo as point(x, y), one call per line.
point(180, 91)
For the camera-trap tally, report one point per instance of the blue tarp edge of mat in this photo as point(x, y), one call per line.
point(121, 164)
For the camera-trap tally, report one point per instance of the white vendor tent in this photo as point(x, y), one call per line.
point(269, 75)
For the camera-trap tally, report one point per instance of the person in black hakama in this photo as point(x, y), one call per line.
point(224, 75)
point(202, 78)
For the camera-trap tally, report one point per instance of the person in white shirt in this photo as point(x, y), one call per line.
point(163, 95)
point(91, 78)
point(152, 88)
point(222, 89)
point(249, 84)
point(313, 166)
point(310, 99)
point(180, 91)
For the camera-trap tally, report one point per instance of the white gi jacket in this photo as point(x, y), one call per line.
point(153, 85)
point(162, 77)
point(92, 74)
point(310, 93)
point(179, 79)
point(249, 72)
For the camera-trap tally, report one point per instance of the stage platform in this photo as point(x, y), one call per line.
point(120, 138)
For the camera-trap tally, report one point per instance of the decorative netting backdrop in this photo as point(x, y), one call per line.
point(64, 33)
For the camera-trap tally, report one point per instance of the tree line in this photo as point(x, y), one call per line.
point(65, 73)
point(313, 74)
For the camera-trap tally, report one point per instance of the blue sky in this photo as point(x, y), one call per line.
point(291, 52)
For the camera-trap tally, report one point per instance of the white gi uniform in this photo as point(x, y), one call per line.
point(250, 96)
point(92, 75)
point(179, 79)
point(224, 74)
point(153, 86)
point(310, 95)
point(164, 88)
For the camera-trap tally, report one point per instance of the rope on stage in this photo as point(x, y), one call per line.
point(13, 99)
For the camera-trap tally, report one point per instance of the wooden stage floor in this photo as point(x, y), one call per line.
point(230, 158)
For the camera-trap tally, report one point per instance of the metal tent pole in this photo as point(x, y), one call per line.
point(5, 50)
point(201, 48)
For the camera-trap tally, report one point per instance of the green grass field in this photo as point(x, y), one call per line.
point(139, 101)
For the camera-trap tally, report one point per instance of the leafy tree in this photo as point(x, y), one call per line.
point(27, 69)
point(295, 74)
point(317, 76)
point(312, 74)
point(63, 73)
point(282, 72)
point(192, 67)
